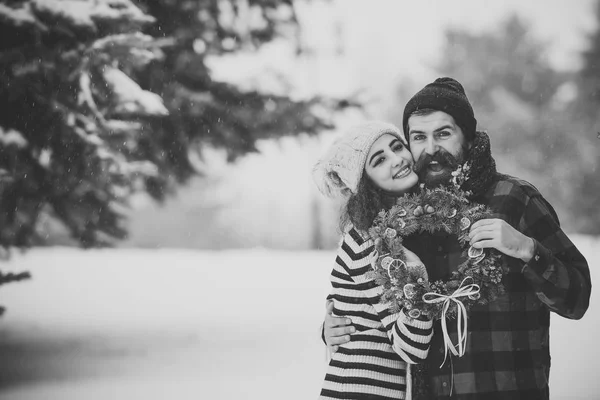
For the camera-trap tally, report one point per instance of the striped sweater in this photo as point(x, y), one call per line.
point(374, 364)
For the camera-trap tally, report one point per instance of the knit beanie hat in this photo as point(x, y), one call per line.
point(447, 95)
point(341, 169)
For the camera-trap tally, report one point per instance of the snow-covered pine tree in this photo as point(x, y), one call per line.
point(70, 116)
point(103, 98)
point(204, 110)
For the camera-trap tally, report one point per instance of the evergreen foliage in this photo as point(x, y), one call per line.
point(101, 99)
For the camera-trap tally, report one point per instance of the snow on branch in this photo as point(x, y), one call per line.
point(12, 138)
point(129, 98)
point(135, 49)
point(90, 15)
point(20, 17)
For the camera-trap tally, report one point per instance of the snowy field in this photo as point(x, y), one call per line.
point(143, 324)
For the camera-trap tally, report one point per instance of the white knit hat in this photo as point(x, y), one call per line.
point(341, 169)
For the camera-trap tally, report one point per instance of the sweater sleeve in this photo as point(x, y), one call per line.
point(410, 338)
point(558, 272)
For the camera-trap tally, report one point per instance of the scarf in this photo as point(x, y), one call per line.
point(482, 173)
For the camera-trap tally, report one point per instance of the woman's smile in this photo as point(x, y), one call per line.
point(404, 172)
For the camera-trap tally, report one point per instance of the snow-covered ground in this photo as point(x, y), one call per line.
point(144, 324)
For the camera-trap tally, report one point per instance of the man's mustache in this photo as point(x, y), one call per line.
point(444, 158)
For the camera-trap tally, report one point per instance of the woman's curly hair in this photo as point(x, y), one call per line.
point(363, 206)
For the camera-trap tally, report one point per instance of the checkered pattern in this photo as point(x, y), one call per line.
point(507, 356)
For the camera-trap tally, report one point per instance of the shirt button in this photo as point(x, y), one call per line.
point(445, 384)
point(440, 248)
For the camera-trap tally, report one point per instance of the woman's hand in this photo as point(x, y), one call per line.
point(411, 257)
point(414, 262)
point(336, 330)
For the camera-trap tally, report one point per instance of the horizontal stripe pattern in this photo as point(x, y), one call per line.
point(373, 364)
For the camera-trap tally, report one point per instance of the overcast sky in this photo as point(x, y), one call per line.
point(384, 40)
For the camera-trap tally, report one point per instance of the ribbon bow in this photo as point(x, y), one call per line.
point(462, 291)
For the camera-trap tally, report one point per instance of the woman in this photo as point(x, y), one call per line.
point(371, 166)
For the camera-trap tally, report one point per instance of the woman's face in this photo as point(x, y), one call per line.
point(389, 165)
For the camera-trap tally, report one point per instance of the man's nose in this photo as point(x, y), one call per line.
point(431, 147)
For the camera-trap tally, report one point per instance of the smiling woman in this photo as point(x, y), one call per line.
point(371, 166)
point(389, 165)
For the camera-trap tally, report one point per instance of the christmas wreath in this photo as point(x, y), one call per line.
point(477, 280)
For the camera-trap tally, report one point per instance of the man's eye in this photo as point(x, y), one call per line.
point(444, 133)
point(417, 137)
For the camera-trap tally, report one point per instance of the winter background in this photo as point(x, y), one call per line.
point(218, 293)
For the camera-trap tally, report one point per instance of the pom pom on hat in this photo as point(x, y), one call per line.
point(340, 170)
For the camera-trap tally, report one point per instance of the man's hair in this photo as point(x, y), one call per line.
point(362, 207)
point(469, 136)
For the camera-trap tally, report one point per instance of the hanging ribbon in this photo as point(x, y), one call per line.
point(461, 316)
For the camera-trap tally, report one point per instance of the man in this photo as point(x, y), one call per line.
point(508, 353)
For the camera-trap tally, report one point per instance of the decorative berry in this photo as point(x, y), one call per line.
point(418, 211)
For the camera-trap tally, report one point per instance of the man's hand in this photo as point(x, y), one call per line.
point(498, 234)
point(336, 330)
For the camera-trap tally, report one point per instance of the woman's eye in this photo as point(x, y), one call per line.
point(398, 147)
point(378, 161)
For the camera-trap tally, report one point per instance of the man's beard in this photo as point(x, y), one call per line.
point(447, 162)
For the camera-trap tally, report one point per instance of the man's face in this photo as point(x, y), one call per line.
point(438, 145)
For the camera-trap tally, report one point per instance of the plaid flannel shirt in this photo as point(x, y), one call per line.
point(508, 353)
